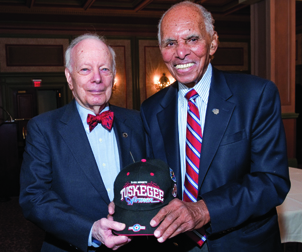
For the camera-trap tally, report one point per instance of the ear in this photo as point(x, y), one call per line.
point(68, 78)
point(214, 44)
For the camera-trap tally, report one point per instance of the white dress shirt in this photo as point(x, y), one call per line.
point(104, 147)
point(203, 89)
point(105, 150)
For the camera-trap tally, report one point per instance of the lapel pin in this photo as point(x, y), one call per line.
point(215, 111)
point(125, 134)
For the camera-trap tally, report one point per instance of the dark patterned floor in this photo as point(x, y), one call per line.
point(20, 235)
point(293, 247)
point(16, 233)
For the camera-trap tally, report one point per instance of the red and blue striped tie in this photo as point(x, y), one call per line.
point(193, 149)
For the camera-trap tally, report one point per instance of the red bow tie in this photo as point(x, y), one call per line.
point(105, 118)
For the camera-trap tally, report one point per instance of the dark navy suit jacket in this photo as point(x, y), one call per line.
point(61, 188)
point(243, 167)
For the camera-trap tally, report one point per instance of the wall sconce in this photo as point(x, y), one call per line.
point(162, 82)
point(114, 84)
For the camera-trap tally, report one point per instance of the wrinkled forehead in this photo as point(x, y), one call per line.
point(182, 19)
point(181, 12)
point(89, 49)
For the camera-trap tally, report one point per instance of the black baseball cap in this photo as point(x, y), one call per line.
point(141, 189)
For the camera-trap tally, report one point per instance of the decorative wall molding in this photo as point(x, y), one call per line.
point(122, 94)
point(34, 55)
point(151, 68)
point(4, 42)
point(232, 56)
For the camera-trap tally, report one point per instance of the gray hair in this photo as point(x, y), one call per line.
point(77, 40)
point(208, 19)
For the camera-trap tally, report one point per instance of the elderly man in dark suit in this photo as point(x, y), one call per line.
point(223, 136)
point(74, 153)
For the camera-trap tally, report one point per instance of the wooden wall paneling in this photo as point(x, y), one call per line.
point(258, 40)
point(232, 56)
point(135, 73)
point(34, 55)
point(8, 44)
point(123, 90)
point(273, 25)
point(290, 131)
point(281, 46)
point(283, 37)
point(299, 49)
point(282, 55)
point(151, 68)
point(277, 32)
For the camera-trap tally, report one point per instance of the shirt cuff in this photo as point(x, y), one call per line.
point(92, 242)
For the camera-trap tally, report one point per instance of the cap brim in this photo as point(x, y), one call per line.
point(137, 222)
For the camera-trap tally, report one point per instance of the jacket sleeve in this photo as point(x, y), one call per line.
point(40, 203)
point(263, 182)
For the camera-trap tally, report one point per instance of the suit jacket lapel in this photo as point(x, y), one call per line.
point(168, 119)
point(123, 135)
point(215, 123)
point(73, 133)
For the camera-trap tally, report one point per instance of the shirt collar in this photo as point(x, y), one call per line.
point(202, 87)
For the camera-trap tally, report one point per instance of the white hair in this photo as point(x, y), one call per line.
point(208, 19)
point(77, 40)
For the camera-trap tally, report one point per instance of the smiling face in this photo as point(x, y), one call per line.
point(186, 46)
point(92, 75)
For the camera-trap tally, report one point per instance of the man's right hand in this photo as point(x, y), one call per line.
point(102, 231)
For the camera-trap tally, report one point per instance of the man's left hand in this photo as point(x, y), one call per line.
point(178, 217)
point(102, 231)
